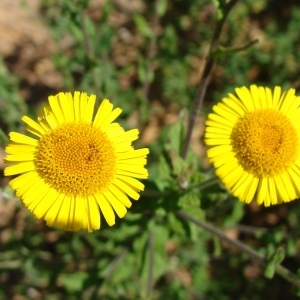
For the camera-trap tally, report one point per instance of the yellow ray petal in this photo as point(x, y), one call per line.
point(50, 117)
point(127, 136)
point(77, 106)
point(141, 175)
point(37, 128)
point(218, 141)
point(44, 205)
point(19, 168)
point(110, 118)
point(223, 131)
point(19, 158)
point(246, 97)
point(66, 106)
point(272, 191)
point(62, 220)
point(269, 98)
point(56, 108)
point(227, 158)
point(118, 206)
point(127, 189)
point(236, 104)
point(217, 150)
point(288, 186)
point(255, 94)
point(114, 130)
point(287, 100)
point(104, 110)
point(280, 188)
point(263, 97)
point(83, 105)
point(22, 139)
point(219, 121)
point(230, 117)
point(230, 174)
point(245, 188)
point(34, 195)
point(31, 190)
point(24, 180)
point(80, 210)
point(53, 211)
point(120, 195)
point(276, 97)
point(14, 148)
point(134, 154)
point(127, 164)
point(106, 209)
point(90, 109)
point(122, 148)
point(263, 192)
point(132, 182)
point(93, 214)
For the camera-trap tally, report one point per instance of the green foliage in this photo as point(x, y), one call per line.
point(275, 259)
point(12, 107)
point(152, 253)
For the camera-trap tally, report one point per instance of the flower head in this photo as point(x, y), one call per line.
point(254, 141)
point(78, 165)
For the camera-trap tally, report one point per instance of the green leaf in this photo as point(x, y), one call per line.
point(220, 6)
point(159, 235)
point(276, 258)
point(176, 224)
point(3, 137)
point(175, 135)
point(163, 179)
point(145, 73)
point(142, 26)
point(190, 203)
point(161, 7)
point(73, 282)
point(219, 11)
point(236, 214)
point(190, 200)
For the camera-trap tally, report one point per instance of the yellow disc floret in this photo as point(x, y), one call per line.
point(265, 142)
point(76, 159)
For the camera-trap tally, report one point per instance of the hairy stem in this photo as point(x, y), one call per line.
point(115, 263)
point(151, 263)
point(89, 52)
point(280, 270)
point(209, 65)
point(151, 53)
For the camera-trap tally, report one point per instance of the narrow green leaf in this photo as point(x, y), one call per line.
point(73, 282)
point(276, 258)
point(161, 7)
point(3, 137)
point(142, 25)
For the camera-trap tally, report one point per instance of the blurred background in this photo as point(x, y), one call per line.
point(147, 57)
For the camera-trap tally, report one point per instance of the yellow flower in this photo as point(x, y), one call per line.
point(77, 166)
point(254, 144)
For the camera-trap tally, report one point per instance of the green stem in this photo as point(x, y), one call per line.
point(209, 65)
point(89, 53)
point(151, 263)
point(204, 184)
point(3, 137)
point(151, 53)
point(280, 270)
point(201, 185)
point(115, 263)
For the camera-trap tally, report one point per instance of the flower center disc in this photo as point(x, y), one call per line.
point(76, 159)
point(265, 142)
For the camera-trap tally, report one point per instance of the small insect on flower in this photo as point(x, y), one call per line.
point(77, 166)
point(254, 144)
